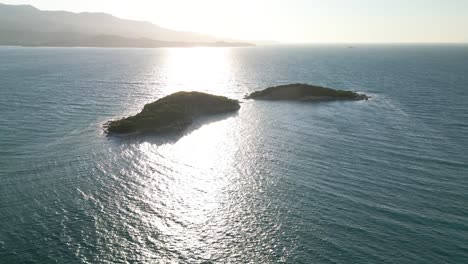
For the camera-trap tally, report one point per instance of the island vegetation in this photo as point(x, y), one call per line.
point(173, 113)
point(305, 92)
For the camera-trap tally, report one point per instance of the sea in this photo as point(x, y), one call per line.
point(377, 181)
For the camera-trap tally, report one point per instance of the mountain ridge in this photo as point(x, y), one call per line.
point(26, 25)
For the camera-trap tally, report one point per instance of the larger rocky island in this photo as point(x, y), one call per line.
point(173, 113)
point(305, 92)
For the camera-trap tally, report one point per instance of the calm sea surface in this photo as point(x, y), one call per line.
point(379, 181)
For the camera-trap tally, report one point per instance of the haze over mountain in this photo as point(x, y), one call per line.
point(26, 25)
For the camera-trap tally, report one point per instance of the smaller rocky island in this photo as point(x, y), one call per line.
point(305, 92)
point(173, 113)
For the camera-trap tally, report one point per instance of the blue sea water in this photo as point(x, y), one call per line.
point(378, 181)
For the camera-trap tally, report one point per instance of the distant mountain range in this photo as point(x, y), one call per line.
point(25, 25)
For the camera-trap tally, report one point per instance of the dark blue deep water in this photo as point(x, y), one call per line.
point(378, 181)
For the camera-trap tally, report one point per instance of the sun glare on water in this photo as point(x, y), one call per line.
point(201, 69)
point(193, 176)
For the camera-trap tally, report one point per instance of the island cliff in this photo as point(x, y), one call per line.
point(173, 113)
point(305, 92)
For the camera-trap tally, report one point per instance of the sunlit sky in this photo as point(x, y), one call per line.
point(291, 21)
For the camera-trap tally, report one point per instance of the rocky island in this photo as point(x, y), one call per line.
point(173, 113)
point(305, 92)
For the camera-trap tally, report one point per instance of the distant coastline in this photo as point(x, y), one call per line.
point(111, 41)
point(108, 41)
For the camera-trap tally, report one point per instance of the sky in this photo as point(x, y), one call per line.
point(292, 21)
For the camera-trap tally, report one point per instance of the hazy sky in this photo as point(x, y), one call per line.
point(292, 20)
